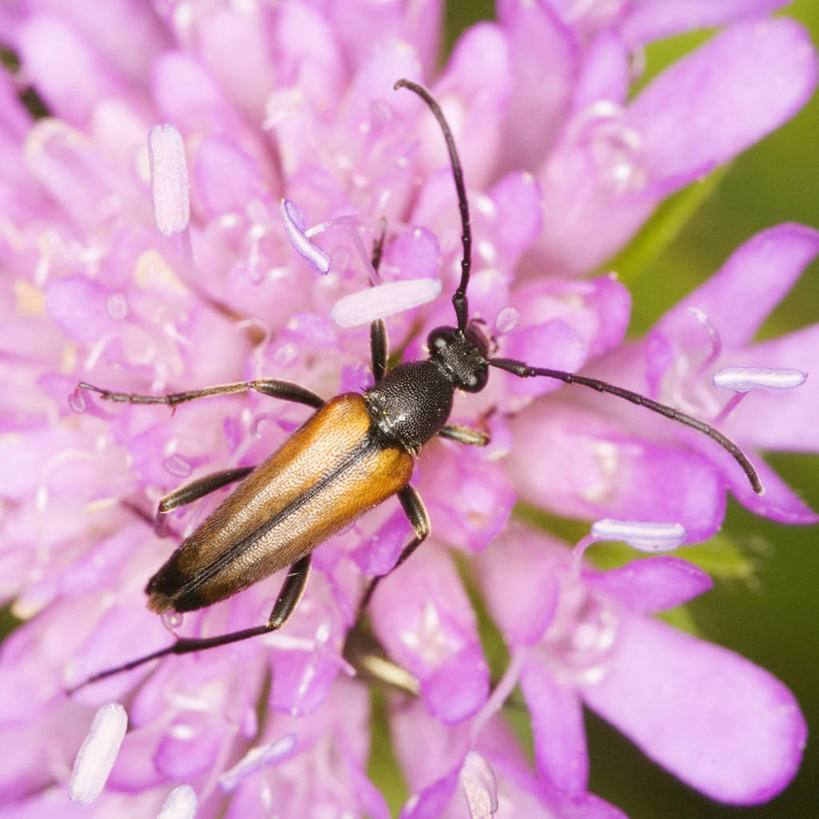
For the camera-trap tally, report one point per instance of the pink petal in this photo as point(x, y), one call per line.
point(414, 254)
point(473, 92)
point(557, 725)
point(655, 19)
point(309, 54)
point(227, 179)
point(708, 107)
point(576, 464)
point(518, 560)
point(423, 617)
point(699, 113)
point(518, 217)
point(598, 309)
point(68, 73)
point(782, 421)
point(468, 496)
point(544, 66)
point(132, 55)
point(714, 719)
point(654, 584)
point(779, 501)
point(737, 299)
point(554, 344)
point(225, 32)
point(605, 73)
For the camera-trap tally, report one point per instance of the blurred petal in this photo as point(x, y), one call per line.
point(544, 65)
point(516, 560)
point(557, 725)
point(667, 691)
point(614, 167)
point(653, 584)
point(737, 299)
point(656, 19)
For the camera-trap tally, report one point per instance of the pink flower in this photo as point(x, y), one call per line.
point(721, 724)
point(147, 248)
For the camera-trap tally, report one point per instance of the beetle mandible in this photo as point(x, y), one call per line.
point(357, 450)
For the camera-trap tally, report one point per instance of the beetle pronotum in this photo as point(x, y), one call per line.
point(356, 450)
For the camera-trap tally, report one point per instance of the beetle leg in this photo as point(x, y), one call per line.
point(289, 596)
point(464, 435)
point(379, 343)
point(418, 517)
point(200, 487)
point(286, 390)
point(379, 348)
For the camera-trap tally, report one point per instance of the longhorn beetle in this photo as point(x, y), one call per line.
point(353, 453)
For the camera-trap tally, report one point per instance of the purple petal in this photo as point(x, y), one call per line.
point(518, 217)
point(782, 421)
point(575, 463)
point(598, 309)
point(227, 178)
point(655, 19)
point(518, 560)
point(378, 555)
point(615, 167)
point(432, 801)
point(80, 307)
point(415, 254)
point(654, 584)
point(227, 31)
point(444, 746)
point(554, 343)
point(723, 725)
point(468, 496)
point(544, 66)
point(557, 725)
point(708, 107)
point(737, 299)
point(423, 617)
point(190, 746)
point(474, 90)
point(68, 73)
point(778, 502)
point(605, 73)
point(132, 55)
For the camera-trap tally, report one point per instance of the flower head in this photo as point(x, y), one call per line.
point(193, 212)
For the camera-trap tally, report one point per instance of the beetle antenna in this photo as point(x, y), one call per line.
point(525, 371)
point(459, 297)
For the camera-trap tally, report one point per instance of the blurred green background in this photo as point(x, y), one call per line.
point(772, 617)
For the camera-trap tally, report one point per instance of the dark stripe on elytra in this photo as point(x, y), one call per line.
point(201, 577)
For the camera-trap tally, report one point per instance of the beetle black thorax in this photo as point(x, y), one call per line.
point(413, 400)
point(410, 404)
